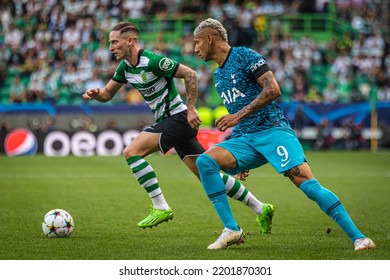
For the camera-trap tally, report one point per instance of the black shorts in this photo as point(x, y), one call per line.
point(177, 133)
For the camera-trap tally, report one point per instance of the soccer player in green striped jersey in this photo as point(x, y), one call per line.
point(176, 124)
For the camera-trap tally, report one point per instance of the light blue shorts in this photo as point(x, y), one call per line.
point(279, 146)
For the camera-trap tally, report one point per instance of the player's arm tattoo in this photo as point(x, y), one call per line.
point(191, 84)
point(293, 172)
point(270, 92)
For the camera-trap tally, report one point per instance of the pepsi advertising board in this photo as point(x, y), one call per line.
point(23, 142)
point(20, 142)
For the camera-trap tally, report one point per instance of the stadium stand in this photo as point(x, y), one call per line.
point(326, 52)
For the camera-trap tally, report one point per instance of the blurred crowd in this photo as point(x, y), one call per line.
point(53, 50)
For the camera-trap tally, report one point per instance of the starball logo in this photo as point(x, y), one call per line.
point(20, 142)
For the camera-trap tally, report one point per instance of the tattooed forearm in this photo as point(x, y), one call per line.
point(270, 92)
point(191, 84)
point(292, 173)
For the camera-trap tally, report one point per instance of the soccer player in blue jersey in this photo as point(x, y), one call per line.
point(261, 134)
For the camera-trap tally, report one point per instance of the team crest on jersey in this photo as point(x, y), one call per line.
point(143, 76)
point(166, 64)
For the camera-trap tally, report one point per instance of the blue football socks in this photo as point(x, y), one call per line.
point(331, 205)
point(215, 189)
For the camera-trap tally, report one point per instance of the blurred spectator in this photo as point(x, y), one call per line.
point(30, 63)
point(133, 8)
point(85, 65)
point(299, 120)
point(13, 37)
point(216, 10)
point(101, 57)
point(330, 94)
point(89, 125)
point(5, 126)
point(15, 59)
point(353, 137)
point(325, 139)
point(85, 26)
point(95, 81)
point(204, 81)
point(49, 124)
point(111, 125)
point(17, 93)
point(35, 90)
point(341, 66)
point(299, 84)
point(231, 11)
point(49, 90)
point(384, 92)
point(246, 31)
point(192, 7)
point(313, 95)
point(71, 37)
point(71, 79)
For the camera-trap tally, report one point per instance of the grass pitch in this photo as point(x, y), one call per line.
point(106, 203)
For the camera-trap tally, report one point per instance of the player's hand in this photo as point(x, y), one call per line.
point(91, 93)
point(242, 175)
point(193, 118)
point(226, 121)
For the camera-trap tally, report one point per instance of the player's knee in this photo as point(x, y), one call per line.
point(127, 153)
point(206, 164)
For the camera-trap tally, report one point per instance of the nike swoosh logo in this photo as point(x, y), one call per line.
point(285, 163)
point(217, 84)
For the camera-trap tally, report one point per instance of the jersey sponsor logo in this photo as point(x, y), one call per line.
point(257, 65)
point(231, 95)
point(147, 91)
point(166, 64)
point(20, 142)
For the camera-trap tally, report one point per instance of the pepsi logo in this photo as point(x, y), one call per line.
point(20, 142)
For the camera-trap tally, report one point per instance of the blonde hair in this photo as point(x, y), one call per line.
point(213, 24)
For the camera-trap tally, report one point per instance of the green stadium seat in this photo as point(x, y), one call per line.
point(4, 95)
point(65, 96)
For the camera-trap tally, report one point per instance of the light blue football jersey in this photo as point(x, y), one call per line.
point(236, 84)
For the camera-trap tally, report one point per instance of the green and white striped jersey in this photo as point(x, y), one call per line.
point(153, 78)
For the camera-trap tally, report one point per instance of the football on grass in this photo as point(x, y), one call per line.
point(57, 223)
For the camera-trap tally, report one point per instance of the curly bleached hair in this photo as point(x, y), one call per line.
point(214, 24)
